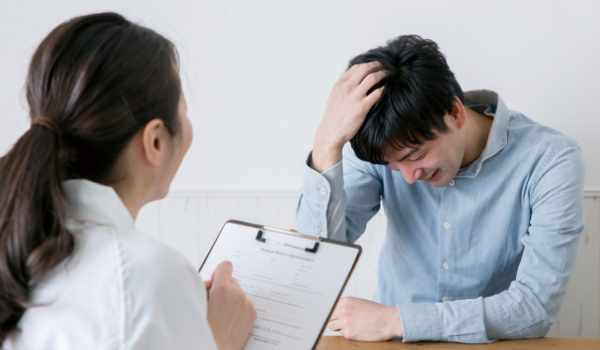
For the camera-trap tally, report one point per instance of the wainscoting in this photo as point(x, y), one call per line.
point(189, 223)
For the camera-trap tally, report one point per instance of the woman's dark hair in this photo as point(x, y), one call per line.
point(419, 90)
point(98, 79)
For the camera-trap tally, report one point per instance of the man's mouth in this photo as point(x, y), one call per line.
point(433, 176)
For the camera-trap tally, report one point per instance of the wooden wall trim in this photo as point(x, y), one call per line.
point(588, 192)
point(591, 192)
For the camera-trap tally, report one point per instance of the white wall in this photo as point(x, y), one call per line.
point(257, 74)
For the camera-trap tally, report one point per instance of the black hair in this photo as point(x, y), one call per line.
point(419, 89)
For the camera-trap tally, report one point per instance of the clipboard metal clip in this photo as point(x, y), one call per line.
point(260, 238)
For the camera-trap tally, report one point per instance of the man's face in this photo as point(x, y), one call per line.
point(436, 161)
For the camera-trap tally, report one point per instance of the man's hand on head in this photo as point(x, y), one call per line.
point(360, 319)
point(346, 110)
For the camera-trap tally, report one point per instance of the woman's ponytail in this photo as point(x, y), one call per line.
point(33, 237)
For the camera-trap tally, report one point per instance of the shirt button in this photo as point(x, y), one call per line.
point(451, 183)
point(446, 266)
point(323, 190)
point(444, 299)
point(322, 233)
point(446, 225)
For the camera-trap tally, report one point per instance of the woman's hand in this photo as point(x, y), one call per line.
point(208, 284)
point(231, 314)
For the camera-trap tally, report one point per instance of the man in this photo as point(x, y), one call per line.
point(484, 206)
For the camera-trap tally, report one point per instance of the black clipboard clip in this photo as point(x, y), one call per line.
point(260, 238)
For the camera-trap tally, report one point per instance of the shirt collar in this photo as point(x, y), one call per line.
point(92, 202)
point(488, 103)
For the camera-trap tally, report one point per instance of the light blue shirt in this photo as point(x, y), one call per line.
point(486, 257)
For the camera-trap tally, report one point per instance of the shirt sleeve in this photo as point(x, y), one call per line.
point(532, 302)
point(339, 202)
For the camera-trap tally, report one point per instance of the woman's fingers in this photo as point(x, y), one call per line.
point(208, 284)
point(223, 273)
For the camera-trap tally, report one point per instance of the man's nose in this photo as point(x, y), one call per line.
point(411, 175)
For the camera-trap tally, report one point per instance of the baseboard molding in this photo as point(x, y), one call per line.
point(233, 193)
point(588, 192)
point(591, 192)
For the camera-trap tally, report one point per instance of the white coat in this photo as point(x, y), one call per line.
point(119, 290)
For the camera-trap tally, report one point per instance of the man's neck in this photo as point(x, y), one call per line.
point(477, 131)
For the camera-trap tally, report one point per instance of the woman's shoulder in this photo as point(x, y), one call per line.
point(141, 252)
point(163, 293)
point(134, 261)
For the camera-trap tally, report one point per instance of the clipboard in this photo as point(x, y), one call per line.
point(294, 280)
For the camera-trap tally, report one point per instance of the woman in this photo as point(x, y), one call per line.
point(109, 130)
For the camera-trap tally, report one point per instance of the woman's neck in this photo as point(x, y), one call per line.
point(132, 196)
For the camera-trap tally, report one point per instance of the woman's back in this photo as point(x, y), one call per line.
point(119, 290)
point(109, 130)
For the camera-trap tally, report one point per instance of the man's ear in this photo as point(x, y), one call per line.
point(459, 115)
point(153, 142)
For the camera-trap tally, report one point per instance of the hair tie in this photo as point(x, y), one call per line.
point(47, 123)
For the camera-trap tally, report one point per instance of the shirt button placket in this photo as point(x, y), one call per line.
point(446, 225)
point(444, 238)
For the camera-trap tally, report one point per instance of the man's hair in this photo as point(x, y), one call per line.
point(419, 89)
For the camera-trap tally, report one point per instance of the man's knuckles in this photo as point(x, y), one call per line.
point(349, 333)
point(371, 79)
point(345, 306)
point(346, 89)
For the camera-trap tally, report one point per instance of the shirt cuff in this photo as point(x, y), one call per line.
point(334, 177)
point(317, 192)
point(420, 322)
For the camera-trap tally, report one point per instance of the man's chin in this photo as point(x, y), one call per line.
point(439, 179)
point(443, 181)
point(439, 184)
point(436, 178)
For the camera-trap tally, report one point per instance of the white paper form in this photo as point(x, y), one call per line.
point(293, 291)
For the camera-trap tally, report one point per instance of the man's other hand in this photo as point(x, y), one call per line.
point(360, 319)
point(345, 113)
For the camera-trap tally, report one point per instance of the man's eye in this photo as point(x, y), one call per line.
point(419, 158)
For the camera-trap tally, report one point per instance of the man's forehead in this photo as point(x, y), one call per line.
point(396, 152)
